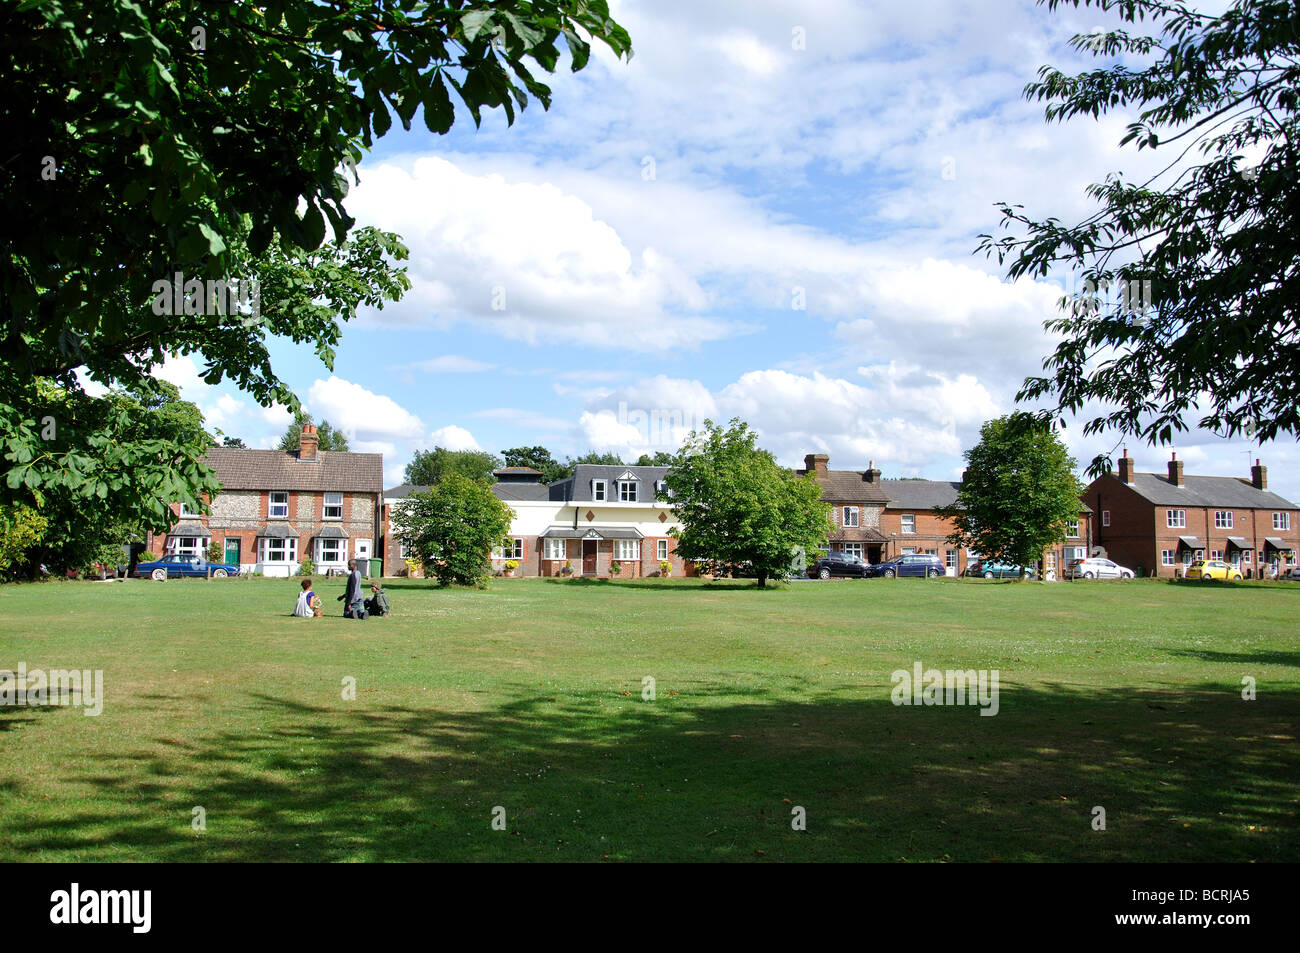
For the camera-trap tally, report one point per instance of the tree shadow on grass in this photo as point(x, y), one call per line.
point(1240, 658)
point(675, 583)
point(1188, 775)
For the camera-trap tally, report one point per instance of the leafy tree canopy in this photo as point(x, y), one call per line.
point(431, 467)
point(539, 458)
point(1191, 279)
point(1018, 493)
point(452, 529)
point(327, 437)
point(660, 458)
point(738, 508)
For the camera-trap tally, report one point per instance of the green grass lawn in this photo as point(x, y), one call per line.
point(528, 696)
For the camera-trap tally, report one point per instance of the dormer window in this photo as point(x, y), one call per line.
point(189, 509)
point(627, 491)
point(598, 490)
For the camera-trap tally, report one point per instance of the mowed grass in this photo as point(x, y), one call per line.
point(528, 697)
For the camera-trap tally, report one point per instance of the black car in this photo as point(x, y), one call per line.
point(927, 567)
point(840, 564)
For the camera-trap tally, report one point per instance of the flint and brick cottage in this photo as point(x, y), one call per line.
point(278, 507)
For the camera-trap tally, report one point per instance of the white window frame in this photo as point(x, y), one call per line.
point(516, 550)
point(187, 546)
point(950, 559)
point(1167, 557)
point(598, 490)
point(1049, 560)
point(1223, 519)
point(853, 549)
point(1216, 555)
point(1072, 529)
point(326, 505)
point(852, 517)
point(1282, 521)
point(555, 549)
point(340, 547)
point(1176, 519)
point(271, 505)
point(1105, 517)
point(187, 511)
point(908, 523)
point(661, 549)
point(278, 549)
point(1245, 557)
point(627, 491)
point(627, 550)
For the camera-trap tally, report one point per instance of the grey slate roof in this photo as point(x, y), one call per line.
point(920, 494)
point(592, 532)
point(404, 490)
point(331, 532)
point(521, 491)
point(282, 470)
point(1224, 492)
point(188, 529)
point(577, 488)
point(278, 531)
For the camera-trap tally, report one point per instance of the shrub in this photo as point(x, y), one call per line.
point(615, 568)
point(307, 567)
point(511, 565)
point(664, 567)
point(148, 556)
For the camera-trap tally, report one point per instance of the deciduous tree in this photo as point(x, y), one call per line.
point(453, 528)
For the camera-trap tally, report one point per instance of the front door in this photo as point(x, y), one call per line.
point(232, 551)
point(589, 557)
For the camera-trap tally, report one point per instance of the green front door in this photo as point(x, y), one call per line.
point(232, 551)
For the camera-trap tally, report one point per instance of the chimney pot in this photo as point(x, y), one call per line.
point(308, 442)
point(1175, 470)
point(1126, 468)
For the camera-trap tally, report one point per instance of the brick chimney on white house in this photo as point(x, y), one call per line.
point(816, 464)
point(1126, 467)
point(308, 442)
point(1175, 470)
point(1259, 476)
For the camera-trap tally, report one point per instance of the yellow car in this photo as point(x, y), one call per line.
point(1211, 569)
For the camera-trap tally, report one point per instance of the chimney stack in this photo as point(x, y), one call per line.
point(1126, 467)
point(871, 474)
point(1259, 476)
point(308, 442)
point(1175, 470)
point(816, 463)
point(965, 475)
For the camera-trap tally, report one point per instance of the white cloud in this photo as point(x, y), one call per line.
point(452, 364)
point(452, 437)
point(360, 413)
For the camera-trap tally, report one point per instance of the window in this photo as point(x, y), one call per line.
point(331, 550)
point(598, 490)
point(1176, 519)
point(189, 509)
point(185, 545)
point(333, 506)
point(1281, 520)
point(850, 516)
point(853, 549)
point(626, 550)
point(908, 550)
point(555, 549)
point(1105, 517)
point(930, 552)
point(513, 550)
point(279, 550)
point(909, 523)
point(661, 549)
point(1223, 519)
point(1072, 529)
point(1166, 557)
point(404, 549)
point(1049, 561)
point(278, 507)
point(627, 491)
point(1216, 554)
point(950, 559)
point(661, 486)
point(1245, 558)
point(1236, 558)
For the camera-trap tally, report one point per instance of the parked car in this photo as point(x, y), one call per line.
point(910, 565)
point(1291, 575)
point(175, 566)
point(991, 569)
point(1096, 568)
point(1211, 569)
point(840, 564)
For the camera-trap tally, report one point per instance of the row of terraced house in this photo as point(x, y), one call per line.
point(277, 508)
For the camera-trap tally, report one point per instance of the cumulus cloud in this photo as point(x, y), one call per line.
point(361, 413)
point(452, 437)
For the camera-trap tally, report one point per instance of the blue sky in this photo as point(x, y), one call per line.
point(770, 213)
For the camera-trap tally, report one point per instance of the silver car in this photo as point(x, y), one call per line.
point(1096, 568)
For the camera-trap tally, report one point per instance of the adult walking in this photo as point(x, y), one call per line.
point(352, 598)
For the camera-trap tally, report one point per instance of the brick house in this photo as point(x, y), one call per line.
point(1160, 523)
point(277, 507)
point(882, 519)
point(599, 516)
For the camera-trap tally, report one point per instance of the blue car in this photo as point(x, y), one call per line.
point(926, 567)
point(174, 566)
point(991, 569)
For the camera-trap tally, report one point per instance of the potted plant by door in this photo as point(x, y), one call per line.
point(511, 566)
point(664, 567)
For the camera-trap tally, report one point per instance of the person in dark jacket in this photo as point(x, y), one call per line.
point(377, 604)
point(353, 607)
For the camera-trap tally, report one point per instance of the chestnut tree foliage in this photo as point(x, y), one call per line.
point(1191, 279)
point(147, 138)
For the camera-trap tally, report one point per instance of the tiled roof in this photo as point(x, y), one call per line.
point(592, 532)
point(521, 491)
point(848, 486)
point(282, 470)
point(405, 490)
point(1225, 492)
